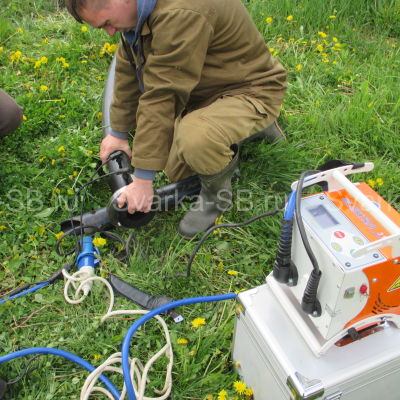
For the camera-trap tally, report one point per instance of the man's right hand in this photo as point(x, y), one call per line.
point(110, 144)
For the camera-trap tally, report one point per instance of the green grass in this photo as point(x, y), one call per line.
point(343, 102)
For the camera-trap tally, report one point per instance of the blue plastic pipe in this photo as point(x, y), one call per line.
point(134, 327)
point(64, 354)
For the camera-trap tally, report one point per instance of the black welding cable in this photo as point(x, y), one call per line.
point(234, 225)
point(299, 219)
point(28, 370)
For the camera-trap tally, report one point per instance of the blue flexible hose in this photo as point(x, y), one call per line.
point(23, 293)
point(290, 206)
point(65, 354)
point(134, 327)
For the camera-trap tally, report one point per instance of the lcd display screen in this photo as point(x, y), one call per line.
point(323, 217)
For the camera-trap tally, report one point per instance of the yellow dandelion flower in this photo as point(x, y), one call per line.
point(37, 64)
point(24, 117)
point(43, 88)
point(75, 173)
point(198, 322)
point(99, 242)
point(322, 34)
point(182, 341)
point(112, 48)
point(325, 60)
point(289, 18)
point(371, 183)
point(90, 153)
point(324, 55)
point(335, 39)
point(45, 41)
point(43, 60)
point(299, 67)
point(96, 356)
point(338, 45)
point(268, 20)
point(379, 181)
point(83, 61)
point(60, 59)
point(271, 49)
point(2, 227)
point(41, 230)
point(222, 395)
point(57, 190)
point(15, 56)
point(1, 48)
point(61, 148)
point(58, 235)
point(320, 48)
point(65, 65)
point(99, 115)
point(99, 78)
point(84, 29)
point(332, 16)
point(233, 273)
point(210, 397)
point(239, 387)
point(248, 392)
point(20, 30)
point(70, 191)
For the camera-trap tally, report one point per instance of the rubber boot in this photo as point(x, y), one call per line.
point(214, 199)
point(271, 134)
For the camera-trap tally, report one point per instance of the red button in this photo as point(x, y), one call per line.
point(363, 289)
point(339, 234)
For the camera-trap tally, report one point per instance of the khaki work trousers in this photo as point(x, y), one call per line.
point(203, 138)
point(10, 114)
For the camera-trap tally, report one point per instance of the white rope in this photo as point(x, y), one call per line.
point(80, 281)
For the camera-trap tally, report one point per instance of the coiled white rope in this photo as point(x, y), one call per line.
point(81, 281)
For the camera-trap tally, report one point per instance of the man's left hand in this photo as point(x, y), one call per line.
point(138, 194)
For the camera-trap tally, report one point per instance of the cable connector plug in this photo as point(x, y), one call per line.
point(87, 261)
point(310, 304)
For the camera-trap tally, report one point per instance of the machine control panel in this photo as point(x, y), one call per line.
point(337, 232)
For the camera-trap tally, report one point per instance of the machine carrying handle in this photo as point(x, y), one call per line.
point(327, 176)
point(336, 179)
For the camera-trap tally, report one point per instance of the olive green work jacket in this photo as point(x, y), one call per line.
point(194, 52)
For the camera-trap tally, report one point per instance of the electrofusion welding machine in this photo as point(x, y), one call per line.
point(325, 324)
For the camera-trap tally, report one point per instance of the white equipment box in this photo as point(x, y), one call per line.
point(275, 361)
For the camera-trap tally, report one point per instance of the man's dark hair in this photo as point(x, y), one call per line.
point(74, 7)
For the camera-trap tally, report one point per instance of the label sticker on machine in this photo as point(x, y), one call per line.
point(337, 232)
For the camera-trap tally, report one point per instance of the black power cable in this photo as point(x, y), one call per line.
point(213, 228)
point(4, 385)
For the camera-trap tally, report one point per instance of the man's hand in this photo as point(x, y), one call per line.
point(110, 144)
point(138, 195)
